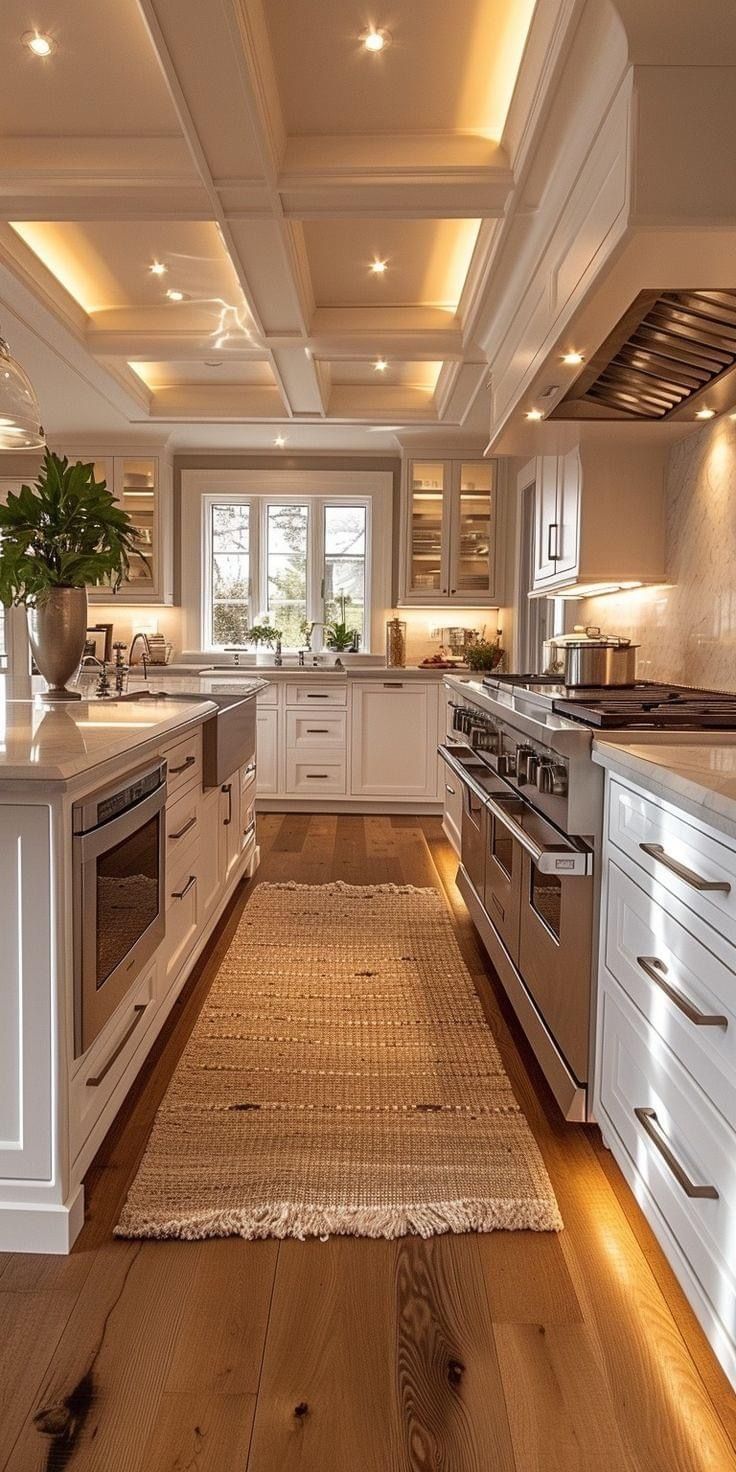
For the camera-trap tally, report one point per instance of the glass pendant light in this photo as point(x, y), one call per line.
point(20, 416)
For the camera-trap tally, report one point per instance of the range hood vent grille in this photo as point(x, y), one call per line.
point(668, 349)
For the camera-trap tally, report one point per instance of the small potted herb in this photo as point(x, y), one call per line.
point(484, 654)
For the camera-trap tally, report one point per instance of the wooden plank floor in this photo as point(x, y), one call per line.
point(511, 1352)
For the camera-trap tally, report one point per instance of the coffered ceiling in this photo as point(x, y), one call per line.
point(240, 215)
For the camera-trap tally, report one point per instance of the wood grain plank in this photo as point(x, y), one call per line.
point(218, 1349)
point(31, 1326)
point(99, 1400)
point(527, 1278)
point(561, 1416)
point(292, 834)
point(200, 1433)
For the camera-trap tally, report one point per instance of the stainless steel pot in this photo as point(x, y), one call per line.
point(600, 662)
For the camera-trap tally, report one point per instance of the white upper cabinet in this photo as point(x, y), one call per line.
point(141, 483)
point(448, 534)
point(598, 518)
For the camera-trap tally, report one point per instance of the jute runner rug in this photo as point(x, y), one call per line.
point(341, 1078)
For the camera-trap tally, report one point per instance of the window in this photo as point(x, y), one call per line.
point(293, 561)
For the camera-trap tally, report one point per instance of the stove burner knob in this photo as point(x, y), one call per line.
point(532, 767)
point(524, 754)
point(545, 777)
point(506, 765)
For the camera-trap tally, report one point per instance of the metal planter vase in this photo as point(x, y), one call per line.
point(58, 629)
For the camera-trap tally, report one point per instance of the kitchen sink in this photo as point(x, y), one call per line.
point(228, 736)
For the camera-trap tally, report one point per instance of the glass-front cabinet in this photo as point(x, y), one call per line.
point(449, 532)
point(135, 480)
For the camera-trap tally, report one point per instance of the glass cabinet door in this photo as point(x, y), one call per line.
point(426, 528)
point(474, 530)
point(136, 490)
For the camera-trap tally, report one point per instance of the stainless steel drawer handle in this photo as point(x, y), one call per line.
point(450, 789)
point(174, 771)
point(656, 852)
point(178, 894)
point(650, 1124)
point(312, 696)
point(656, 970)
point(94, 1083)
point(316, 776)
point(318, 730)
point(185, 829)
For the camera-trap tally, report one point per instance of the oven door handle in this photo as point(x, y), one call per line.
point(466, 778)
point(565, 860)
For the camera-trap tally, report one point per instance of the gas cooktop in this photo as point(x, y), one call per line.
point(643, 706)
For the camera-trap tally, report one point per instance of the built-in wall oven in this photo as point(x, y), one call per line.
point(534, 885)
point(119, 868)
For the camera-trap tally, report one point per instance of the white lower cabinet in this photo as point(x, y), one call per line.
point(229, 831)
point(267, 749)
point(394, 739)
point(665, 1088)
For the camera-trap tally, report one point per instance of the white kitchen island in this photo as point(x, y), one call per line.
point(57, 1101)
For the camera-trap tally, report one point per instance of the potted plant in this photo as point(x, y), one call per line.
point(484, 654)
point(59, 537)
point(263, 633)
point(339, 637)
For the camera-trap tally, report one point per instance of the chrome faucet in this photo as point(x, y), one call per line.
point(278, 657)
point(145, 655)
point(103, 684)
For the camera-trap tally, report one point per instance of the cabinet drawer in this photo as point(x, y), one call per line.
point(314, 730)
point(184, 763)
point(269, 696)
point(314, 695)
point(248, 824)
point(184, 913)
point(687, 993)
point(699, 869)
point(678, 1145)
point(103, 1066)
point(320, 774)
point(247, 776)
point(183, 822)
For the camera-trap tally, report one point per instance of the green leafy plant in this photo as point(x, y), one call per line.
point(484, 654)
point(66, 531)
point(261, 634)
point(338, 634)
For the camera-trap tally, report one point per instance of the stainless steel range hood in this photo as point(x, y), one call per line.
point(667, 350)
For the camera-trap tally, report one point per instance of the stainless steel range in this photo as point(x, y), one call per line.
point(520, 747)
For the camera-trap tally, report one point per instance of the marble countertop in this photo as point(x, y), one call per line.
point(53, 743)
point(699, 777)
point(204, 680)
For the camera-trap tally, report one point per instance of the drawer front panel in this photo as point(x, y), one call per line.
point(184, 912)
point(678, 1144)
point(687, 993)
point(183, 823)
point(315, 696)
point(321, 774)
point(184, 764)
point(314, 730)
point(103, 1066)
point(269, 696)
point(247, 824)
point(248, 775)
point(699, 869)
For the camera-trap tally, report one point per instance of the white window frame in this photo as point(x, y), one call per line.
point(204, 488)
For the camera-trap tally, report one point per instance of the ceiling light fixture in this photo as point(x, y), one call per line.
point(375, 40)
point(279, 442)
point(157, 268)
point(37, 43)
point(534, 414)
point(380, 365)
point(174, 295)
point(572, 359)
point(705, 414)
point(378, 267)
point(20, 416)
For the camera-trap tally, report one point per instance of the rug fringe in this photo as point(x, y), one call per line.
point(343, 888)
point(284, 1219)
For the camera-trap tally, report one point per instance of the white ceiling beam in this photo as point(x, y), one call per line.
point(77, 179)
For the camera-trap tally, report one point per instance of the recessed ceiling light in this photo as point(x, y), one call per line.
point(375, 40)
point(38, 43)
point(279, 442)
point(535, 414)
point(157, 268)
point(174, 295)
point(380, 365)
point(378, 267)
point(705, 414)
point(572, 359)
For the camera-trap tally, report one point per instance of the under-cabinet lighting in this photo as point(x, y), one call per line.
point(174, 295)
point(38, 43)
point(572, 359)
point(380, 365)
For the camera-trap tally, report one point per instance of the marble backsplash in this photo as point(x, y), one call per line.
point(687, 631)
